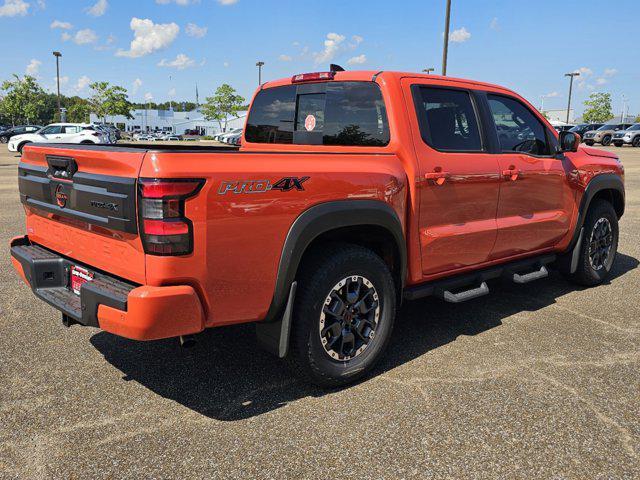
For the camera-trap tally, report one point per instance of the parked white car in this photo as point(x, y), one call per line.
point(224, 137)
point(59, 133)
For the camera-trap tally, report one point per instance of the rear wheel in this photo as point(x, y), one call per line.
point(636, 141)
point(606, 140)
point(617, 144)
point(343, 315)
point(599, 245)
point(4, 139)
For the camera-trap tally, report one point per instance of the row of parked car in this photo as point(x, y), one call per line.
point(618, 134)
point(156, 137)
point(17, 137)
point(232, 137)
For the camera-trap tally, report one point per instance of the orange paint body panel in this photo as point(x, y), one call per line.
point(458, 211)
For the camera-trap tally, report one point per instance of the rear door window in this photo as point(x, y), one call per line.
point(331, 113)
point(447, 119)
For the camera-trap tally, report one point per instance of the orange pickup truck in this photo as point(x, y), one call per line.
point(351, 192)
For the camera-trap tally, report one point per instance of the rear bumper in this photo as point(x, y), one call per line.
point(116, 306)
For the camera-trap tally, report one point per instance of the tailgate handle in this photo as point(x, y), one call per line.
point(61, 167)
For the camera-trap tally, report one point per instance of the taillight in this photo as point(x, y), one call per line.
point(164, 228)
point(312, 77)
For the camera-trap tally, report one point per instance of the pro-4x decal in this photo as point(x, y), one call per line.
point(285, 184)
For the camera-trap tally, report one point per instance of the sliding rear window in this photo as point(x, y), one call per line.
point(328, 113)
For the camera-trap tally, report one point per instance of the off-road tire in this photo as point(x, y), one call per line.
point(606, 140)
point(585, 273)
point(321, 272)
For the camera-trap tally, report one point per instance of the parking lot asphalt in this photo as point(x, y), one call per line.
point(540, 381)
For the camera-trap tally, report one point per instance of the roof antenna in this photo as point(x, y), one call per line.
point(335, 68)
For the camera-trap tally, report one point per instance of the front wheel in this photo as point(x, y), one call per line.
point(343, 315)
point(21, 146)
point(4, 139)
point(599, 245)
point(636, 141)
point(589, 143)
point(606, 140)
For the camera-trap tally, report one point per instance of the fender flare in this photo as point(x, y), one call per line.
point(605, 181)
point(323, 218)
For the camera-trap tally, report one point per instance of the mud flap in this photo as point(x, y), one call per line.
point(274, 336)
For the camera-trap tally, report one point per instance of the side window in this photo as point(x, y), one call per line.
point(519, 130)
point(447, 119)
point(51, 130)
point(70, 129)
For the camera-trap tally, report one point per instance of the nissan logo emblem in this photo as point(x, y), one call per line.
point(61, 197)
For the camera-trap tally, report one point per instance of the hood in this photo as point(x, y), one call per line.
point(596, 152)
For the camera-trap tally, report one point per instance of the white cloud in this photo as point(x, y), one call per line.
point(460, 35)
point(181, 62)
point(65, 36)
point(225, 64)
point(601, 81)
point(98, 9)
point(149, 37)
point(42, 5)
point(552, 95)
point(194, 30)
point(355, 41)
point(62, 25)
point(34, 67)
point(14, 8)
point(331, 47)
point(82, 83)
point(227, 2)
point(83, 37)
point(610, 72)
point(285, 58)
point(182, 3)
point(494, 25)
point(172, 92)
point(359, 60)
point(137, 83)
point(584, 71)
point(148, 97)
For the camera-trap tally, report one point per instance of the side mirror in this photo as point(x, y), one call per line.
point(569, 142)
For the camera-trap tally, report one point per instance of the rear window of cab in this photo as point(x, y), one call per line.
point(326, 113)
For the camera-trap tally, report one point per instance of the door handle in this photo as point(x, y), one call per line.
point(439, 177)
point(511, 173)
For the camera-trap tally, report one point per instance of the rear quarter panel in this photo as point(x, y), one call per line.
point(238, 237)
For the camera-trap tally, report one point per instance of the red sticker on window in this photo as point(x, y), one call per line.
point(310, 123)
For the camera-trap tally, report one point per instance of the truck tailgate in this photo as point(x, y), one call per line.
point(81, 202)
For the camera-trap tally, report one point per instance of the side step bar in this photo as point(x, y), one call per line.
point(483, 289)
point(444, 288)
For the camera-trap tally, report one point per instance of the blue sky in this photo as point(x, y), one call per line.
point(161, 48)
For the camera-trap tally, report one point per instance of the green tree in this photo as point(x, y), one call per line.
point(224, 104)
point(78, 110)
point(23, 99)
point(637, 120)
point(598, 108)
point(109, 100)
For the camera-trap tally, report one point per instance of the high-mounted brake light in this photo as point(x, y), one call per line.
point(312, 77)
point(165, 229)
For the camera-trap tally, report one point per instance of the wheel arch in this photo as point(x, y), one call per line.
point(371, 223)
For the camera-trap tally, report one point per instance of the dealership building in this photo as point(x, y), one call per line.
point(148, 120)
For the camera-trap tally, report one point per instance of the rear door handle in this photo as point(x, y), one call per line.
point(438, 177)
point(511, 173)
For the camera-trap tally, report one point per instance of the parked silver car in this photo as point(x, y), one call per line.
point(630, 136)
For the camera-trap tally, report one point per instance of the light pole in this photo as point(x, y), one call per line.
point(624, 106)
point(428, 70)
point(259, 65)
point(570, 75)
point(445, 49)
point(58, 55)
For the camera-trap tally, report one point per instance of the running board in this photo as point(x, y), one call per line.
point(530, 277)
point(465, 295)
point(478, 277)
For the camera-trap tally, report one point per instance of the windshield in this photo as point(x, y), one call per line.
point(634, 127)
point(607, 127)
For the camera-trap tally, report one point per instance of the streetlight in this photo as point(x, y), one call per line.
point(259, 65)
point(445, 49)
point(58, 55)
point(428, 70)
point(570, 75)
